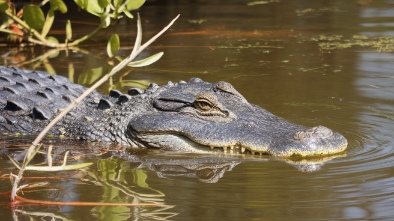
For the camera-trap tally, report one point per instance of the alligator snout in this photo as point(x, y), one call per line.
point(319, 132)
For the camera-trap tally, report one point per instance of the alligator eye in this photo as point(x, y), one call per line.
point(206, 101)
point(203, 105)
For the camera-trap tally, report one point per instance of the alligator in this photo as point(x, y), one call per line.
point(193, 116)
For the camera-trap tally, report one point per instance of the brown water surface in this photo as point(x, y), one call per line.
point(311, 62)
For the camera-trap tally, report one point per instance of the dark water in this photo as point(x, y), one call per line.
point(312, 62)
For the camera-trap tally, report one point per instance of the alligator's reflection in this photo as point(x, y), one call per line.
point(206, 168)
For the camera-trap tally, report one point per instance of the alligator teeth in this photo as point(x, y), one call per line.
point(87, 118)
point(237, 149)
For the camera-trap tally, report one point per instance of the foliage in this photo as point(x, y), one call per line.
point(31, 24)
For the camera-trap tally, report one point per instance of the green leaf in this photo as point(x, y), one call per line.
point(107, 165)
point(134, 4)
point(91, 6)
point(90, 76)
point(146, 61)
point(117, 3)
point(53, 53)
point(3, 5)
point(33, 16)
point(113, 45)
point(52, 40)
point(59, 168)
point(128, 14)
point(49, 68)
point(104, 3)
point(140, 178)
point(58, 5)
point(105, 21)
point(69, 32)
point(71, 72)
point(48, 22)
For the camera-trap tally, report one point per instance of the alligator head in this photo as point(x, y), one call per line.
point(202, 117)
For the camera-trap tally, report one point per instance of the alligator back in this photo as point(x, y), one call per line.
point(28, 99)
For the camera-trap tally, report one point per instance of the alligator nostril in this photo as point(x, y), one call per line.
point(312, 133)
point(322, 132)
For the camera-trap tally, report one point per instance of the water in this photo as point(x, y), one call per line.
point(276, 55)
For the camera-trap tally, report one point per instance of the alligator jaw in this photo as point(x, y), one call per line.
point(175, 142)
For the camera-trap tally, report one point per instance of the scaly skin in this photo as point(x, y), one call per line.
point(190, 117)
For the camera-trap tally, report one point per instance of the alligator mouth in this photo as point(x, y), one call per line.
point(295, 147)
